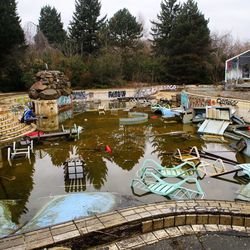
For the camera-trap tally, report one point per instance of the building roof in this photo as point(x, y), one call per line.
point(244, 57)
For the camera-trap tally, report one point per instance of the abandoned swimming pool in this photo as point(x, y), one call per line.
point(37, 183)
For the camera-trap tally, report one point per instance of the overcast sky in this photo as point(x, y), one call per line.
point(224, 15)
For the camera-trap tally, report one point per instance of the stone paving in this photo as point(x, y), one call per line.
point(139, 226)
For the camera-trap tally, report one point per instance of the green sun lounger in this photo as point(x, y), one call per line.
point(182, 170)
point(152, 183)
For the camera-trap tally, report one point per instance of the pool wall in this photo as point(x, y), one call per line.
point(242, 107)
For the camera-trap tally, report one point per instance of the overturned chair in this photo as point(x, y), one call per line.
point(192, 155)
point(211, 169)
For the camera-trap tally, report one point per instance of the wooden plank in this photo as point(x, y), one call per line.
point(42, 136)
point(227, 172)
point(211, 156)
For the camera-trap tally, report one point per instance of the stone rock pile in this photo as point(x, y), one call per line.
point(50, 85)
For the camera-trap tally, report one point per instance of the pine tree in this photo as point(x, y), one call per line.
point(124, 30)
point(162, 28)
point(11, 47)
point(51, 25)
point(189, 46)
point(11, 33)
point(85, 27)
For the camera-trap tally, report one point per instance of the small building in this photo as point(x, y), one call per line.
point(237, 68)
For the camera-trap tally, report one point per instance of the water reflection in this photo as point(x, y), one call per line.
point(129, 144)
point(165, 139)
point(19, 187)
point(57, 152)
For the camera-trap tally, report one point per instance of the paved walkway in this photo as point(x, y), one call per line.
point(211, 241)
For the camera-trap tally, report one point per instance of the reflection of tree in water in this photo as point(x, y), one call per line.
point(18, 189)
point(96, 169)
point(129, 145)
point(58, 155)
point(165, 144)
point(92, 153)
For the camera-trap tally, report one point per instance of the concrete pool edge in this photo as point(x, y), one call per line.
point(170, 218)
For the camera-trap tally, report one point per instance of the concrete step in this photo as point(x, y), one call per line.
point(4, 117)
point(8, 119)
point(12, 128)
point(9, 125)
point(17, 134)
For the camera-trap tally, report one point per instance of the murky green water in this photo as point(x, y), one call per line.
point(44, 178)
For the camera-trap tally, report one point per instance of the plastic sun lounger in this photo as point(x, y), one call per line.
point(182, 170)
point(211, 168)
point(154, 184)
point(245, 168)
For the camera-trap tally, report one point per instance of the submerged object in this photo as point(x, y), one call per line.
point(244, 193)
point(167, 113)
point(134, 118)
point(244, 132)
point(64, 208)
point(108, 149)
point(35, 133)
point(154, 117)
point(6, 225)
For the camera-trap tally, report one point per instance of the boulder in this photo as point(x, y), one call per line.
point(38, 86)
point(66, 91)
point(49, 94)
point(33, 94)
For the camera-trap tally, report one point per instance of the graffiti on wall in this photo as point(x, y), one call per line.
point(196, 101)
point(64, 100)
point(117, 94)
point(144, 92)
point(65, 115)
point(169, 87)
point(223, 101)
point(82, 95)
point(185, 101)
point(23, 100)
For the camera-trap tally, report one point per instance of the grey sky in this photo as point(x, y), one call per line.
point(224, 15)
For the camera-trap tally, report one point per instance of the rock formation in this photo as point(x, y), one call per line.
point(50, 85)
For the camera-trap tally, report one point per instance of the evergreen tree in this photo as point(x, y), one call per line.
point(189, 46)
point(162, 28)
point(85, 27)
point(11, 33)
point(51, 25)
point(11, 47)
point(124, 30)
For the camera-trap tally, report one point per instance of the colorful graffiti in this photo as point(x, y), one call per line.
point(223, 101)
point(185, 101)
point(196, 101)
point(64, 101)
point(117, 94)
point(169, 87)
point(82, 95)
point(23, 100)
